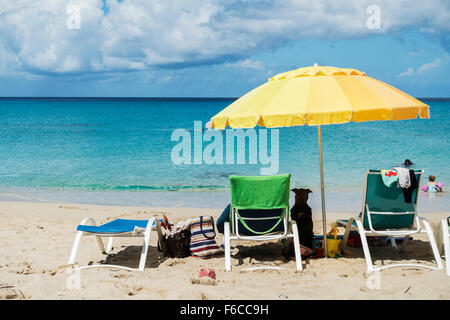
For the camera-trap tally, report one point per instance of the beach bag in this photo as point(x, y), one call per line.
point(175, 245)
point(202, 243)
point(334, 244)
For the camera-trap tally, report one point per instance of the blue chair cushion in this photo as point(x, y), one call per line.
point(115, 226)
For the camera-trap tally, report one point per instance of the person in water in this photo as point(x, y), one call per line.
point(407, 163)
point(432, 186)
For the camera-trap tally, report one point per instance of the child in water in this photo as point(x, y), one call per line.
point(432, 186)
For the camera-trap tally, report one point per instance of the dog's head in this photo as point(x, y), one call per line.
point(301, 195)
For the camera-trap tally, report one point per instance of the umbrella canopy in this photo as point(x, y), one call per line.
point(319, 95)
point(316, 96)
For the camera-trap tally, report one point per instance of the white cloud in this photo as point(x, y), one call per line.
point(426, 67)
point(247, 63)
point(429, 66)
point(407, 73)
point(140, 34)
point(36, 33)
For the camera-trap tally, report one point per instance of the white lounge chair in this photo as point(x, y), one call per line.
point(385, 213)
point(114, 229)
point(444, 242)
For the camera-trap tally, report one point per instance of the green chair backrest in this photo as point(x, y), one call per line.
point(381, 198)
point(260, 193)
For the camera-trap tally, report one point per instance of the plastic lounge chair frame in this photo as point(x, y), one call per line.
point(138, 232)
point(444, 242)
point(370, 231)
point(231, 230)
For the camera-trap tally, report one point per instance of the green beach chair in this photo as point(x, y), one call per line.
point(444, 241)
point(385, 213)
point(260, 212)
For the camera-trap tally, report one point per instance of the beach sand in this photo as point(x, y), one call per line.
point(37, 238)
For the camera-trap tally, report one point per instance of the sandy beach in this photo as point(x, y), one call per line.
point(37, 238)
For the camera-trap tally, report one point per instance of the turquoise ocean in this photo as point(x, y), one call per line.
point(118, 152)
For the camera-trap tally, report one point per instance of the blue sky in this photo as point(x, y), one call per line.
point(224, 48)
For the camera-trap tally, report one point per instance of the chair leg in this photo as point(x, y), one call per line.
point(75, 247)
point(365, 246)
point(298, 256)
point(348, 228)
point(446, 244)
point(145, 245)
point(227, 240)
point(100, 244)
point(434, 247)
point(438, 235)
point(393, 243)
point(110, 245)
point(158, 231)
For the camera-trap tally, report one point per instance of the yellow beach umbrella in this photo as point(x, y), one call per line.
point(317, 96)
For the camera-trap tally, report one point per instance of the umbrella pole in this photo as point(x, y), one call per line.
point(322, 191)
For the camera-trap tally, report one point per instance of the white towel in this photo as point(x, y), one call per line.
point(403, 177)
point(182, 225)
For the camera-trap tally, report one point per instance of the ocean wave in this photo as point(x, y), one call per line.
point(137, 188)
point(169, 188)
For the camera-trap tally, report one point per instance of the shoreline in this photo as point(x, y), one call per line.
point(336, 201)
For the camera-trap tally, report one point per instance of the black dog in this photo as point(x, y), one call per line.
point(301, 213)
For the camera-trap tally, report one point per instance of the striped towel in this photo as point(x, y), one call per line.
point(203, 244)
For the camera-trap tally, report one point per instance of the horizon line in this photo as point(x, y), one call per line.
point(119, 98)
point(161, 98)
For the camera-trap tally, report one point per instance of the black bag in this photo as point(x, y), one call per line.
point(176, 245)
